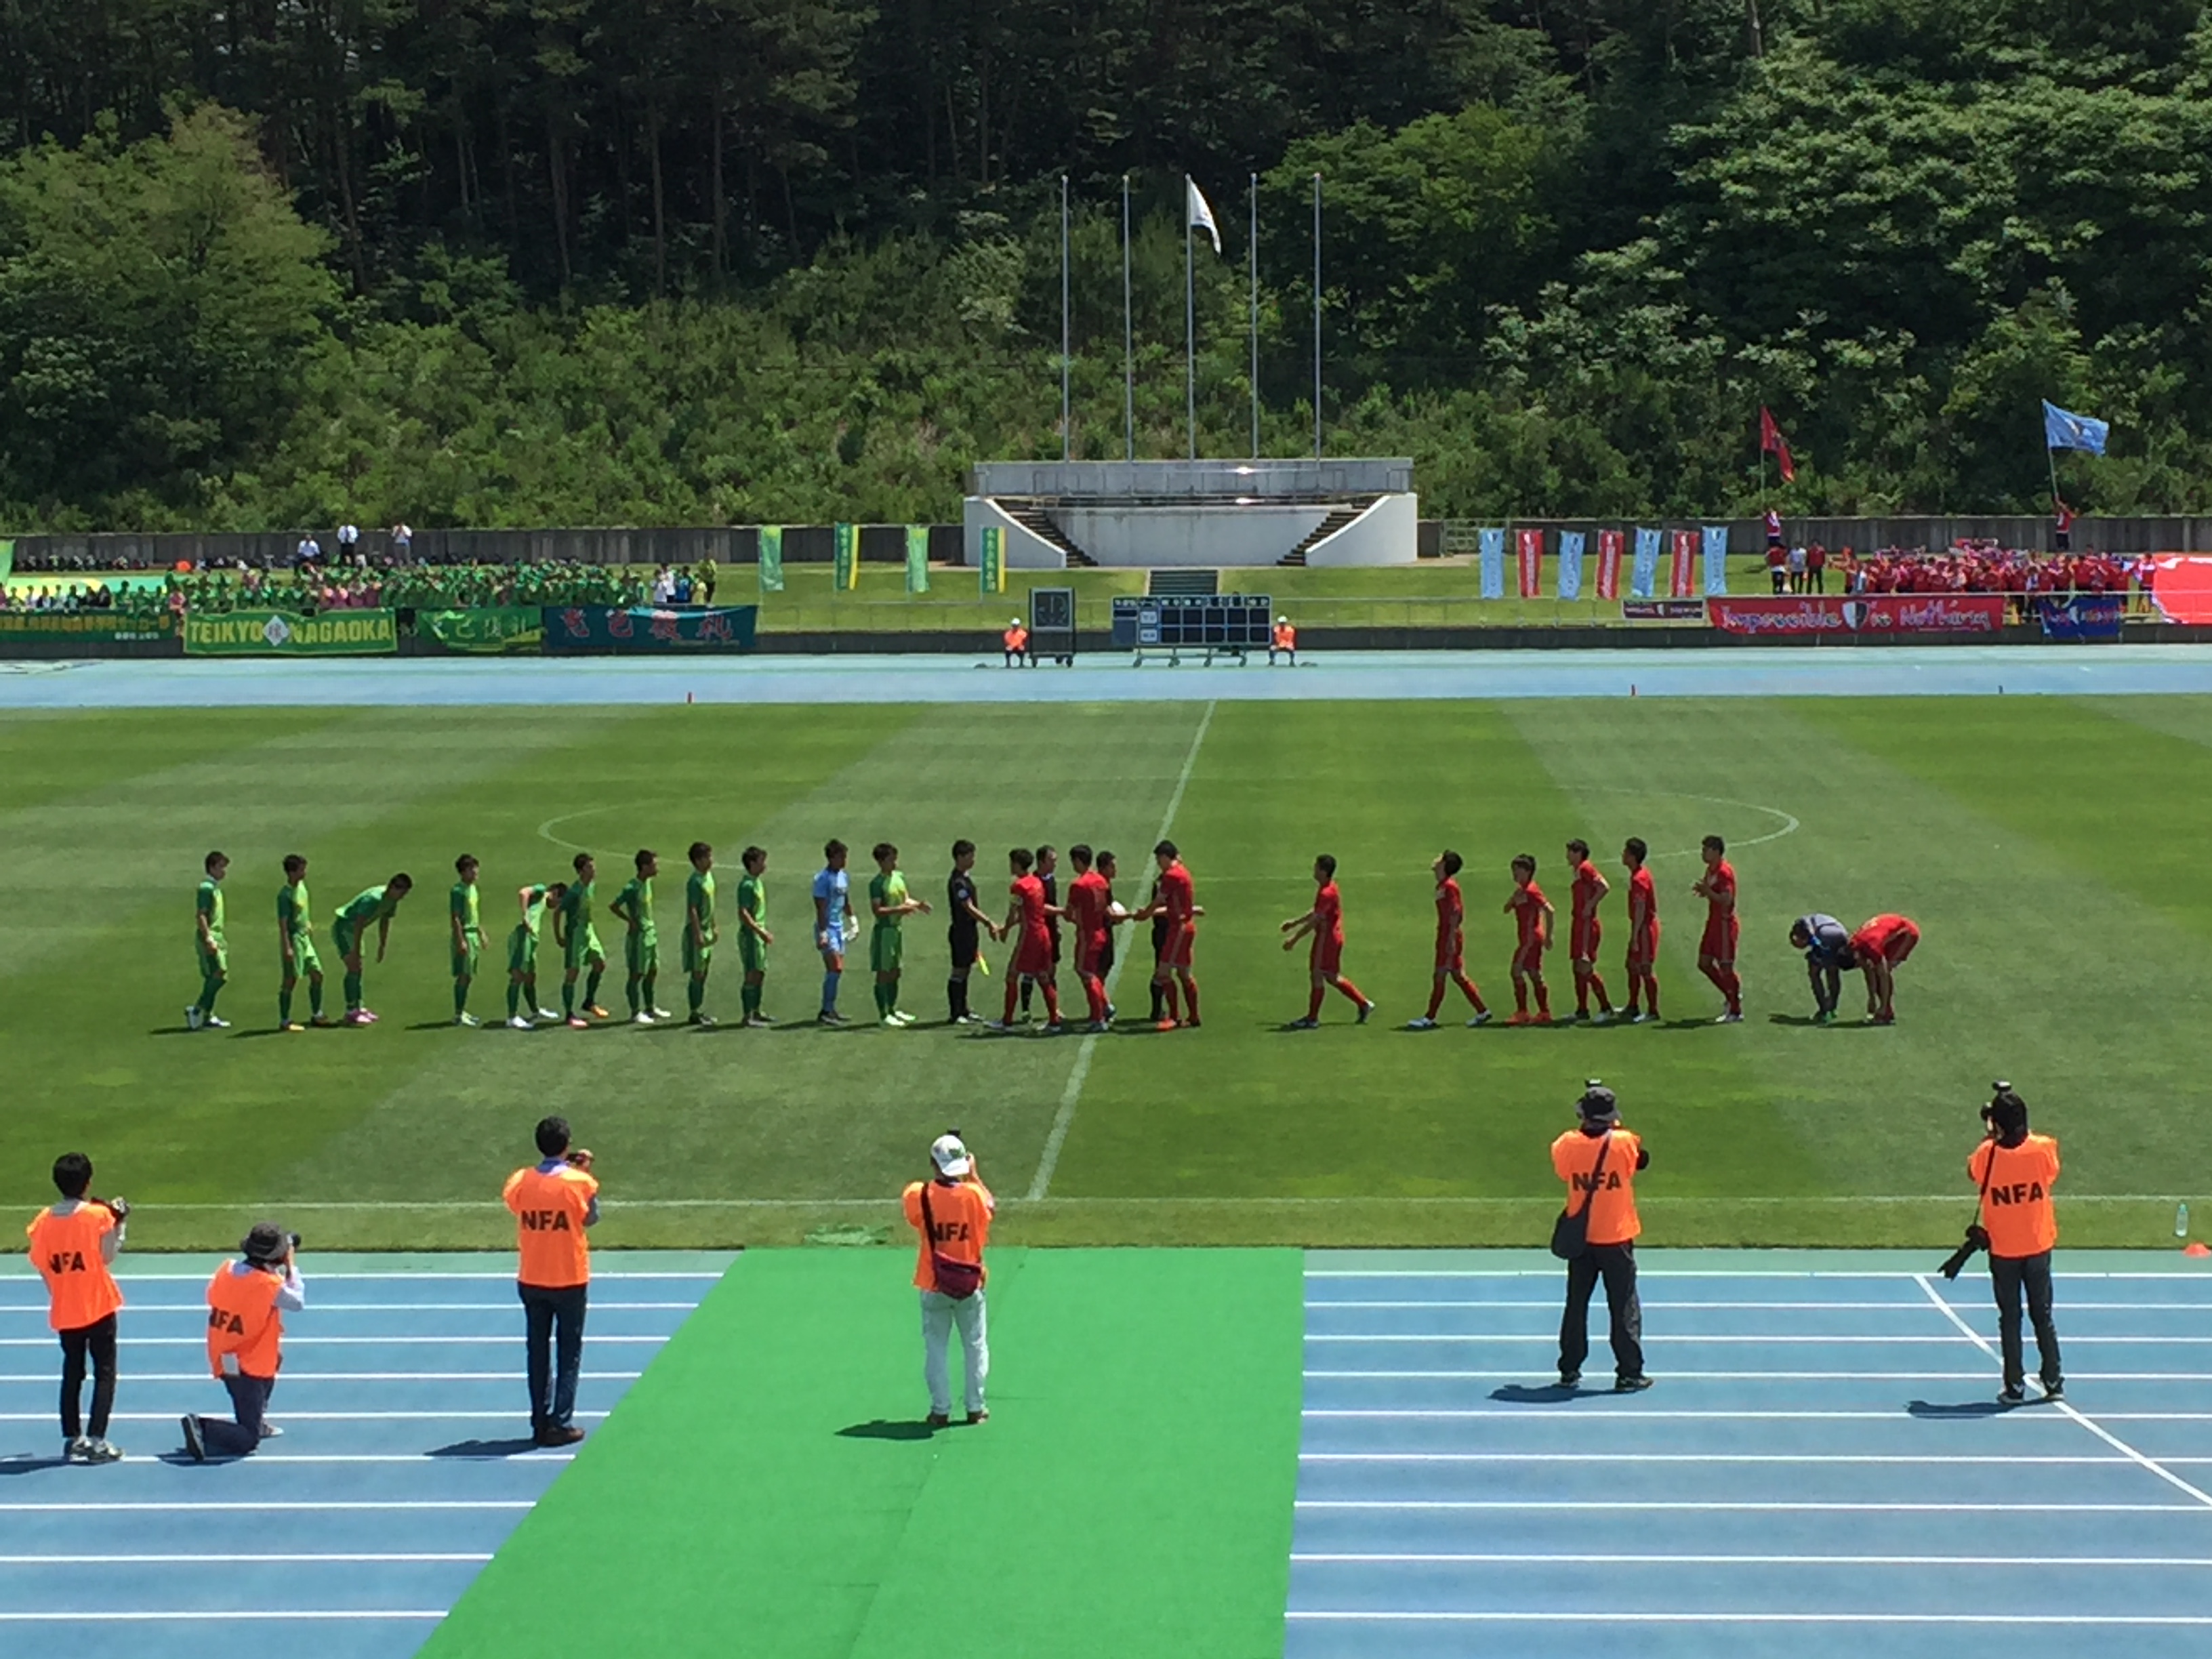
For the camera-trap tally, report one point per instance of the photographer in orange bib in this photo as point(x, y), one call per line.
point(74, 1245)
point(553, 1202)
point(951, 1214)
point(1600, 1161)
point(247, 1300)
point(2019, 1225)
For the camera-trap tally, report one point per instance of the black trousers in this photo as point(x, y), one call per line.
point(1827, 986)
point(2009, 1276)
point(555, 1331)
point(249, 1404)
point(96, 1343)
point(1616, 1265)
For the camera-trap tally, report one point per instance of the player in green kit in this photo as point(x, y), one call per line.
point(888, 902)
point(468, 936)
point(522, 954)
point(375, 905)
point(580, 945)
point(295, 944)
point(641, 946)
point(753, 936)
point(698, 929)
point(214, 955)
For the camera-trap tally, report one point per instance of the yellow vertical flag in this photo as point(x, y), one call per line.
point(846, 542)
point(993, 569)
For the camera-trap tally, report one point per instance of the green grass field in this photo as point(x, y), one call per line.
point(2049, 848)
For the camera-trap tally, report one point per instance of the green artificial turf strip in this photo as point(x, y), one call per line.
point(767, 1487)
point(2045, 846)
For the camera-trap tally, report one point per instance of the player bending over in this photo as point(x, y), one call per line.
point(577, 936)
point(1532, 912)
point(888, 902)
point(1643, 933)
point(1325, 922)
point(522, 954)
point(295, 944)
point(753, 936)
point(1032, 961)
point(1175, 904)
point(1451, 947)
point(1880, 948)
point(1827, 948)
point(641, 940)
point(208, 942)
point(375, 905)
point(1584, 930)
point(699, 931)
point(1716, 950)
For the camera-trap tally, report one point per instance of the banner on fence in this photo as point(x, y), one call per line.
point(991, 567)
point(86, 627)
point(1570, 564)
point(1644, 576)
point(2083, 617)
point(1866, 613)
point(771, 558)
point(1673, 610)
point(1528, 551)
point(917, 558)
point(845, 545)
point(1716, 552)
point(1492, 556)
point(1682, 568)
point(485, 628)
point(626, 628)
point(283, 634)
point(2181, 588)
point(1609, 545)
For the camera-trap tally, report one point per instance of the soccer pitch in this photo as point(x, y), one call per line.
point(2048, 848)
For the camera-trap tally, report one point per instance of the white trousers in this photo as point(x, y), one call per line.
point(939, 1314)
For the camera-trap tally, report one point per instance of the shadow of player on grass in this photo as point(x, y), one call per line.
point(883, 1429)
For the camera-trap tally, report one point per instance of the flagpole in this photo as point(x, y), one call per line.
point(1128, 339)
point(1317, 316)
point(1067, 429)
point(1190, 324)
point(1252, 261)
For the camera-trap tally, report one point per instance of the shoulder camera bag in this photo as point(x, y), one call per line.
point(1570, 1232)
point(957, 1279)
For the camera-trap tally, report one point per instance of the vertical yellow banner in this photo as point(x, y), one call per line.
point(993, 569)
point(847, 544)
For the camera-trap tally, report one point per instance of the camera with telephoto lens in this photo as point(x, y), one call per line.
point(1978, 1237)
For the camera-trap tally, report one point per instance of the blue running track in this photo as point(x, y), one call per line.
point(1821, 1470)
point(404, 1463)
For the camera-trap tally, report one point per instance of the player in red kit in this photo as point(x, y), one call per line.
point(1716, 950)
point(1642, 933)
point(1583, 932)
point(1033, 950)
point(1451, 947)
point(1178, 906)
point(1880, 948)
point(1325, 922)
point(1533, 912)
point(1087, 899)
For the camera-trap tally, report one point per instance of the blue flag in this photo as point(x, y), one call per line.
point(1645, 573)
point(1715, 550)
point(1570, 564)
point(1493, 564)
point(2062, 429)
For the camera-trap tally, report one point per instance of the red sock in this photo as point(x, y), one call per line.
point(1359, 997)
point(1733, 986)
point(1313, 1001)
point(1651, 993)
point(1435, 999)
point(1474, 995)
point(1543, 998)
point(1013, 989)
point(1521, 995)
point(1582, 992)
point(1168, 991)
point(1094, 995)
point(1717, 974)
point(1190, 997)
point(1051, 1002)
point(1604, 1002)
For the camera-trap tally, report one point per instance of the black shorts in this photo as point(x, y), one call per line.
point(967, 945)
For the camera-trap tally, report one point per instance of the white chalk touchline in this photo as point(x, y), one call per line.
point(1608, 1617)
point(2066, 1409)
point(1056, 1137)
point(1502, 1557)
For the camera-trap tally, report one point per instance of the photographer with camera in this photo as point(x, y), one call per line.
point(74, 1245)
point(2018, 1225)
point(553, 1202)
point(951, 1214)
point(248, 1301)
point(1600, 1161)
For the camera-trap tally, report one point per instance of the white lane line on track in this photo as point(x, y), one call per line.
point(2013, 1460)
point(198, 1309)
point(205, 1615)
point(112, 1505)
point(293, 1379)
point(2064, 1408)
point(265, 1460)
point(1551, 1338)
point(257, 1558)
point(291, 1341)
point(311, 1417)
point(1638, 1412)
point(1056, 1137)
point(350, 1276)
point(1550, 1304)
point(1755, 1506)
point(1608, 1617)
point(1470, 1558)
point(1899, 1275)
point(1756, 1376)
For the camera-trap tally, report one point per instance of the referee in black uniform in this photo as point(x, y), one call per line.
point(963, 931)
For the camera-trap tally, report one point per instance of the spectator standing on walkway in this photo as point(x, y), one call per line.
point(1600, 1160)
point(951, 1214)
point(2016, 1172)
point(553, 1202)
point(1816, 567)
point(1797, 567)
point(247, 1300)
point(74, 1245)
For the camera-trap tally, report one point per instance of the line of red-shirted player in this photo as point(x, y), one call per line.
point(1092, 914)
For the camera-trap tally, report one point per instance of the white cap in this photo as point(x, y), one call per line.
point(949, 1154)
point(1282, 619)
point(1013, 622)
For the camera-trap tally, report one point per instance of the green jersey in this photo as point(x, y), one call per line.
point(292, 909)
point(699, 903)
point(365, 906)
point(463, 905)
point(576, 910)
point(533, 912)
point(208, 903)
point(889, 891)
point(752, 901)
point(634, 904)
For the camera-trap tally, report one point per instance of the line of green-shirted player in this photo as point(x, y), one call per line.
point(571, 903)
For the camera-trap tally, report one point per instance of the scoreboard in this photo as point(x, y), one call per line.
point(1229, 623)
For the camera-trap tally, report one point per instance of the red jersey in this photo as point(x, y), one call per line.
point(1720, 883)
point(1329, 915)
point(1528, 913)
point(1177, 896)
point(1451, 912)
point(1086, 905)
point(1586, 893)
point(1028, 892)
point(1643, 901)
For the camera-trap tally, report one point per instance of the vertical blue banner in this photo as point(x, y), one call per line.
point(1493, 564)
point(1643, 575)
point(1716, 551)
point(1570, 564)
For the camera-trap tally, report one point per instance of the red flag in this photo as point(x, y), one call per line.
point(1771, 442)
point(1683, 579)
point(1530, 546)
point(1609, 545)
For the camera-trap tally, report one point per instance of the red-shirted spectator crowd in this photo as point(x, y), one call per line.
point(1966, 567)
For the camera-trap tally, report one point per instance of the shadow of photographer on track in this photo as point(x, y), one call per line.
point(2018, 1224)
point(1595, 1236)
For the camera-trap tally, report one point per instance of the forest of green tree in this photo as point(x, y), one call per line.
point(266, 263)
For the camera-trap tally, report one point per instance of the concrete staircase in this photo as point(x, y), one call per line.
point(1039, 523)
point(1338, 518)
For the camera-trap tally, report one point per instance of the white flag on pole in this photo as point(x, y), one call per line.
point(1200, 215)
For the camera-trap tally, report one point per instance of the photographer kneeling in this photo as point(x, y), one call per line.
point(248, 1301)
point(2019, 1225)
